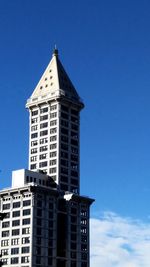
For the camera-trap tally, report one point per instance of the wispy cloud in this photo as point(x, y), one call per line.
point(119, 242)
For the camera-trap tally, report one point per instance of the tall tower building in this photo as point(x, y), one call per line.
point(54, 108)
point(47, 220)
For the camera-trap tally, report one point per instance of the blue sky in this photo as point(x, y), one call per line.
point(104, 46)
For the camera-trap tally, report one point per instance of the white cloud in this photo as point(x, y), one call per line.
point(119, 242)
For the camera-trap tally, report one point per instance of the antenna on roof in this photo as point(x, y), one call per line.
point(55, 52)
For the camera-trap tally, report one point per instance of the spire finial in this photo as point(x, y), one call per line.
point(55, 52)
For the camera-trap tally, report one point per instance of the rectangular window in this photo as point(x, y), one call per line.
point(53, 123)
point(16, 232)
point(43, 110)
point(43, 133)
point(34, 150)
point(34, 135)
point(14, 251)
point(64, 108)
point(34, 143)
point(5, 233)
point(34, 128)
point(4, 252)
point(53, 115)
point(53, 138)
point(26, 212)
point(64, 115)
point(64, 123)
point(34, 113)
point(16, 205)
point(53, 130)
point(5, 224)
point(44, 117)
point(52, 170)
point(6, 206)
point(5, 243)
point(14, 260)
point(43, 141)
point(53, 146)
point(43, 125)
point(43, 156)
point(52, 162)
point(53, 154)
point(33, 166)
point(27, 202)
point(25, 240)
point(15, 222)
point(53, 107)
point(34, 158)
point(26, 221)
point(42, 164)
point(15, 241)
point(35, 120)
point(43, 148)
point(25, 250)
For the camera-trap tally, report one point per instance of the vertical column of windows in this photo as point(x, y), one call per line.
point(53, 141)
point(43, 138)
point(34, 132)
point(65, 141)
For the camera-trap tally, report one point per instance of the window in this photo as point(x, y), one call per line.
point(26, 231)
point(34, 113)
point(34, 135)
point(64, 154)
point(5, 233)
point(53, 107)
point(64, 131)
point(53, 154)
point(74, 119)
point(34, 143)
point(35, 120)
point(43, 148)
point(52, 162)
point(14, 260)
point(43, 110)
point(25, 259)
point(74, 112)
point(53, 130)
point(5, 224)
point(74, 127)
point(26, 202)
point(64, 123)
point(53, 138)
point(14, 251)
point(15, 222)
point(53, 123)
point(16, 205)
point(64, 170)
point(74, 157)
point(15, 241)
point(64, 139)
point(34, 128)
point(16, 232)
point(43, 125)
point(43, 133)
point(33, 158)
point(4, 252)
point(53, 146)
point(39, 212)
point(64, 115)
point(64, 108)
point(53, 115)
point(6, 206)
point(26, 221)
point(43, 141)
point(43, 156)
point(52, 170)
point(44, 117)
point(4, 261)
point(26, 212)
point(74, 150)
point(43, 164)
point(5, 243)
point(33, 166)
point(33, 150)
point(64, 146)
point(25, 240)
point(25, 250)
point(64, 162)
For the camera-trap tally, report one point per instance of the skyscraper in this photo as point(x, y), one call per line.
point(47, 222)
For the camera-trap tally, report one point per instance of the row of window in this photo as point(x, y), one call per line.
point(15, 241)
point(17, 204)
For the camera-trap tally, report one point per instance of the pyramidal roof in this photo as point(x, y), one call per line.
point(55, 81)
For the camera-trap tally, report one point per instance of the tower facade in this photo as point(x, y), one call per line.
point(54, 108)
point(47, 220)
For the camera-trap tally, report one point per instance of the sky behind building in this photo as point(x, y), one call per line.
point(104, 46)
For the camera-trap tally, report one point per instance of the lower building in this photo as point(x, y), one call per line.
point(44, 225)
